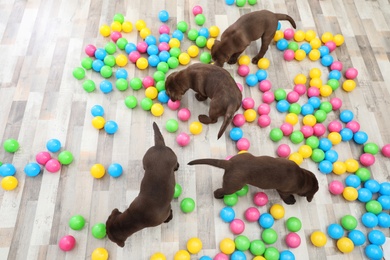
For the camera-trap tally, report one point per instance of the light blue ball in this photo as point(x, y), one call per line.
point(286, 255)
point(372, 185)
point(163, 97)
point(7, 169)
point(97, 65)
point(164, 56)
point(105, 86)
point(376, 237)
point(358, 238)
point(334, 74)
point(121, 74)
point(131, 47)
point(53, 145)
point(282, 44)
point(115, 170)
point(306, 47)
point(32, 169)
point(236, 133)
point(327, 60)
point(251, 80)
point(325, 167)
point(373, 252)
point(229, 2)
point(204, 32)
point(315, 102)
point(324, 50)
point(384, 220)
point(384, 188)
point(360, 137)
point(205, 258)
point(331, 155)
point(364, 195)
point(353, 181)
point(238, 255)
point(335, 231)
point(100, 54)
point(384, 200)
point(163, 15)
point(153, 60)
point(178, 35)
point(346, 116)
point(261, 74)
point(227, 214)
point(111, 127)
point(152, 49)
point(369, 220)
point(325, 144)
point(150, 40)
point(307, 109)
point(164, 38)
point(97, 110)
point(266, 220)
point(282, 106)
point(346, 134)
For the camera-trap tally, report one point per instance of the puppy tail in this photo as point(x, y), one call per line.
point(286, 18)
point(224, 164)
point(158, 138)
point(226, 121)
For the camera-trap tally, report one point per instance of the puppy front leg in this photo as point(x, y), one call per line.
point(169, 218)
point(199, 97)
point(265, 42)
point(287, 198)
point(233, 59)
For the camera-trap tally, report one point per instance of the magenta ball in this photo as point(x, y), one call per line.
point(243, 144)
point(248, 103)
point(90, 50)
point(115, 36)
point(53, 165)
point(243, 70)
point(335, 126)
point(142, 47)
point(184, 114)
point(268, 97)
point(293, 240)
point(336, 65)
point(164, 29)
point(386, 150)
point(67, 243)
point(163, 46)
point(197, 9)
point(336, 103)
point(353, 125)
point(367, 159)
point(336, 187)
point(42, 157)
point(283, 150)
point(260, 199)
point(307, 131)
point(264, 120)
point(351, 73)
point(287, 129)
point(239, 120)
point(239, 86)
point(221, 256)
point(293, 97)
point(289, 34)
point(265, 85)
point(331, 45)
point(174, 105)
point(300, 89)
point(183, 139)
point(319, 129)
point(288, 55)
point(134, 56)
point(263, 109)
point(237, 226)
point(313, 92)
point(252, 214)
point(148, 81)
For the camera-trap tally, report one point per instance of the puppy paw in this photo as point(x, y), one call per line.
point(200, 97)
point(218, 194)
point(232, 61)
point(290, 200)
point(255, 60)
point(204, 119)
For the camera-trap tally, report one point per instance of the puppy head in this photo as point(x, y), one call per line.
point(173, 90)
point(312, 185)
point(217, 54)
point(112, 232)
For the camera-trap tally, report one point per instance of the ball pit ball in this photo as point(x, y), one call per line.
point(307, 131)
point(238, 120)
point(65, 157)
point(293, 96)
point(250, 115)
point(277, 211)
point(42, 157)
point(90, 49)
point(77, 222)
point(374, 206)
point(53, 145)
point(163, 15)
point(385, 150)
point(196, 128)
point(345, 245)
point(339, 167)
point(9, 183)
point(7, 169)
point(300, 55)
point(289, 33)
point(349, 85)
point(99, 254)
point(287, 129)
point(384, 188)
point(319, 129)
point(89, 85)
point(252, 214)
point(242, 244)
point(183, 139)
point(350, 193)
point(283, 150)
point(276, 134)
point(227, 214)
point(111, 127)
point(236, 133)
point(158, 256)
point(314, 54)
point(157, 109)
point(313, 92)
point(296, 157)
point(184, 114)
point(99, 230)
point(364, 194)
point(367, 159)
point(243, 191)
point(293, 240)
point(115, 170)
point(194, 245)
point(97, 171)
point(237, 226)
point(384, 220)
point(266, 220)
point(265, 85)
point(260, 199)
point(227, 246)
point(292, 118)
point(335, 231)
point(293, 224)
point(296, 137)
point(264, 109)
point(67, 243)
point(351, 73)
point(325, 167)
point(373, 252)
point(11, 145)
point(221, 256)
point(53, 165)
point(369, 220)
point(230, 200)
point(288, 55)
point(243, 144)
point(269, 236)
point(318, 238)
point(251, 80)
point(358, 237)
point(257, 248)
point(182, 255)
point(268, 97)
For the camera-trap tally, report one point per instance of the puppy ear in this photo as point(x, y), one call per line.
point(120, 243)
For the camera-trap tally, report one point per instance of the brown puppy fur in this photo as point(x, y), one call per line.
point(152, 206)
point(249, 27)
point(207, 81)
point(264, 172)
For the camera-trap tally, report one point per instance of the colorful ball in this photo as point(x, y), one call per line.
point(227, 214)
point(349, 222)
point(373, 252)
point(182, 255)
point(115, 170)
point(293, 224)
point(336, 187)
point(111, 127)
point(67, 243)
point(369, 220)
point(345, 245)
point(77, 222)
point(194, 245)
point(269, 236)
point(99, 254)
point(227, 246)
point(260, 199)
point(183, 139)
point(9, 183)
point(318, 238)
point(53, 165)
point(277, 211)
point(231, 199)
point(184, 114)
point(187, 205)
point(358, 238)
point(252, 214)
point(293, 240)
point(158, 256)
point(350, 193)
point(97, 171)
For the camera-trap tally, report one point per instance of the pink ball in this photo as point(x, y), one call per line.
point(53, 165)
point(134, 56)
point(331, 45)
point(243, 70)
point(319, 129)
point(386, 150)
point(67, 243)
point(283, 150)
point(260, 199)
point(265, 85)
point(197, 10)
point(313, 92)
point(173, 105)
point(142, 47)
point(351, 73)
point(183, 139)
point(335, 126)
point(263, 109)
point(148, 81)
point(243, 144)
point(239, 86)
point(263, 120)
point(248, 103)
point(367, 159)
point(42, 157)
point(292, 97)
point(336, 103)
point(115, 36)
point(336, 65)
point(163, 46)
point(221, 256)
point(239, 120)
point(288, 55)
point(184, 114)
point(268, 97)
point(289, 33)
point(307, 131)
point(353, 125)
point(287, 129)
point(237, 226)
point(90, 50)
point(336, 187)
point(252, 214)
point(293, 240)
point(300, 89)
point(164, 29)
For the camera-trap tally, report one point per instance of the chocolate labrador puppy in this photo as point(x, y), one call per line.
point(208, 81)
point(152, 206)
point(264, 172)
point(249, 27)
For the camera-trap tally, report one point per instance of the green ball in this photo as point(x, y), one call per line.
point(200, 19)
point(77, 222)
point(296, 137)
point(269, 236)
point(276, 134)
point(371, 148)
point(230, 200)
point(293, 224)
point(89, 85)
point(192, 34)
point(110, 48)
point(201, 41)
point(242, 243)
point(86, 63)
point(205, 57)
point(173, 62)
point(99, 230)
point(79, 73)
point(11, 145)
point(317, 155)
point(320, 115)
point(252, 2)
point(271, 253)
point(295, 108)
point(313, 142)
point(163, 66)
point(106, 71)
point(257, 247)
point(240, 3)
point(333, 83)
point(178, 191)
point(175, 52)
point(136, 83)
point(121, 84)
point(146, 104)
point(119, 18)
point(109, 60)
point(243, 191)
point(349, 222)
point(326, 106)
point(182, 26)
point(374, 207)
point(65, 157)
point(160, 85)
point(293, 46)
point(1, 163)
point(131, 101)
point(187, 205)
point(172, 125)
point(121, 43)
point(363, 173)
point(158, 76)
point(280, 94)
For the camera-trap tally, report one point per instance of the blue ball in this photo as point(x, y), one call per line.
point(325, 144)
point(384, 188)
point(53, 145)
point(97, 110)
point(335, 231)
point(205, 258)
point(279, 26)
point(227, 214)
point(325, 166)
point(376, 237)
point(372, 185)
point(238, 255)
point(163, 97)
point(153, 60)
point(369, 220)
point(306, 47)
point(286, 255)
point(178, 35)
point(111, 127)
point(100, 54)
point(121, 74)
point(327, 60)
point(229, 2)
point(282, 106)
point(115, 170)
point(164, 56)
point(358, 238)
point(331, 155)
point(150, 40)
point(152, 49)
point(373, 252)
point(353, 181)
point(97, 65)
point(307, 109)
point(282, 44)
point(236, 133)
point(266, 220)
point(346, 134)
point(164, 38)
point(105, 86)
point(334, 74)
point(204, 32)
point(32, 169)
point(360, 137)
point(315, 102)
point(346, 116)
point(384, 200)
point(163, 16)
point(261, 74)
point(7, 169)
point(130, 47)
point(364, 195)
point(251, 80)
point(324, 50)
point(384, 220)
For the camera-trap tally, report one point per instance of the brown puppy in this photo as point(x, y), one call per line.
point(249, 27)
point(207, 81)
point(264, 172)
point(152, 206)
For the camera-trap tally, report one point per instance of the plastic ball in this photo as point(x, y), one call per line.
point(283, 150)
point(376, 237)
point(182, 255)
point(351, 73)
point(42, 157)
point(373, 252)
point(325, 167)
point(349, 222)
point(183, 139)
point(252, 214)
point(364, 194)
point(53, 165)
point(363, 173)
point(90, 50)
point(336, 187)
point(89, 85)
point(260, 199)
point(184, 114)
point(268, 97)
point(163, 15)
point(243, 144)
point(238, 120)
point(296, 137)
point(172, 125)
point(237, 226)
point(384, 188)
point(97, 171)
point(349, 85)
point(318, 238)
point(288, 55)
point(293, 240)
point(384, 220)
point(231, 199)
point(77, 222)
point(282, 44)
point(293, 224)
point(99, 254)
point(353, 181)
point(115, 170)
point(277, 211)
point(314, 54)
point(227, 214)
point(99, 230)
point(300, 55)
point(346, 116)
point(369, 220)
point(372, 185)
point(287, 128)
point(178, 190)
point(67, 243)
point(65, 157)
point(269, 236)
point(350, 193)
point(158, 256)
point(307, 131)
point(250, 115)
point(111, 127)
point(374, 206)
point(9, 183)
point(236, 133)
point(227, 246)
point(293, 96)
point(345, 245)
point(385, 150)
point(358, 237)
point(221, 256)
point(367, 159)
point(98, 122)
point(194, 245)
point(291, 118)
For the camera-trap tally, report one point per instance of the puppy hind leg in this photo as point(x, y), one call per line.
point(287, 197)
point(227, 189)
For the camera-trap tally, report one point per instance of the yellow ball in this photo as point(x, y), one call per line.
point(98, 122)
point(338, 39)
point(174, 43)
point(326, 37)
point(349, 85)
point(299, 35)
point(151, 92)
point(9, 183)
point(345, 245)
point(244, 60)
point(182, 255)
point(315, 73)
point(278, 35)
point(310, 35)
point(350, 193)
point(277, 211)
point(97, 170)
point(296, 157)
point(326, 90)
point(210, 43)
point(250, 115)
point(142, 63)
point(194, 245)
point(105, 30)
point(291, 118)
point(140, 24)
point(193, 51)
point(318, 238)
point(116, 26)
point(99, 254)
point(314, 55)
point(158, 256)
point(305, 151)
point(157, 109)
point(184, 58)
point(309, 120)
point(214, 31)
point(259, 257)
point(315, 43)
point(339, 167)
point(121, 60)
point(227, 246)
point(263, 63)
point(351, 165)
point(335, 138)
point(145, 32)
point(300, 55)
point(315, 82)
point(300, 79)
point(196, 128)
point(127, 26)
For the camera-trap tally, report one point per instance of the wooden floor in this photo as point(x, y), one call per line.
point(42, 41)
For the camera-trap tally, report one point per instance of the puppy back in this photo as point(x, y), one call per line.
point(158, 138)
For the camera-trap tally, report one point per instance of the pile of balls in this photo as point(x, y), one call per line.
point(240, 3)
point(98, 121)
